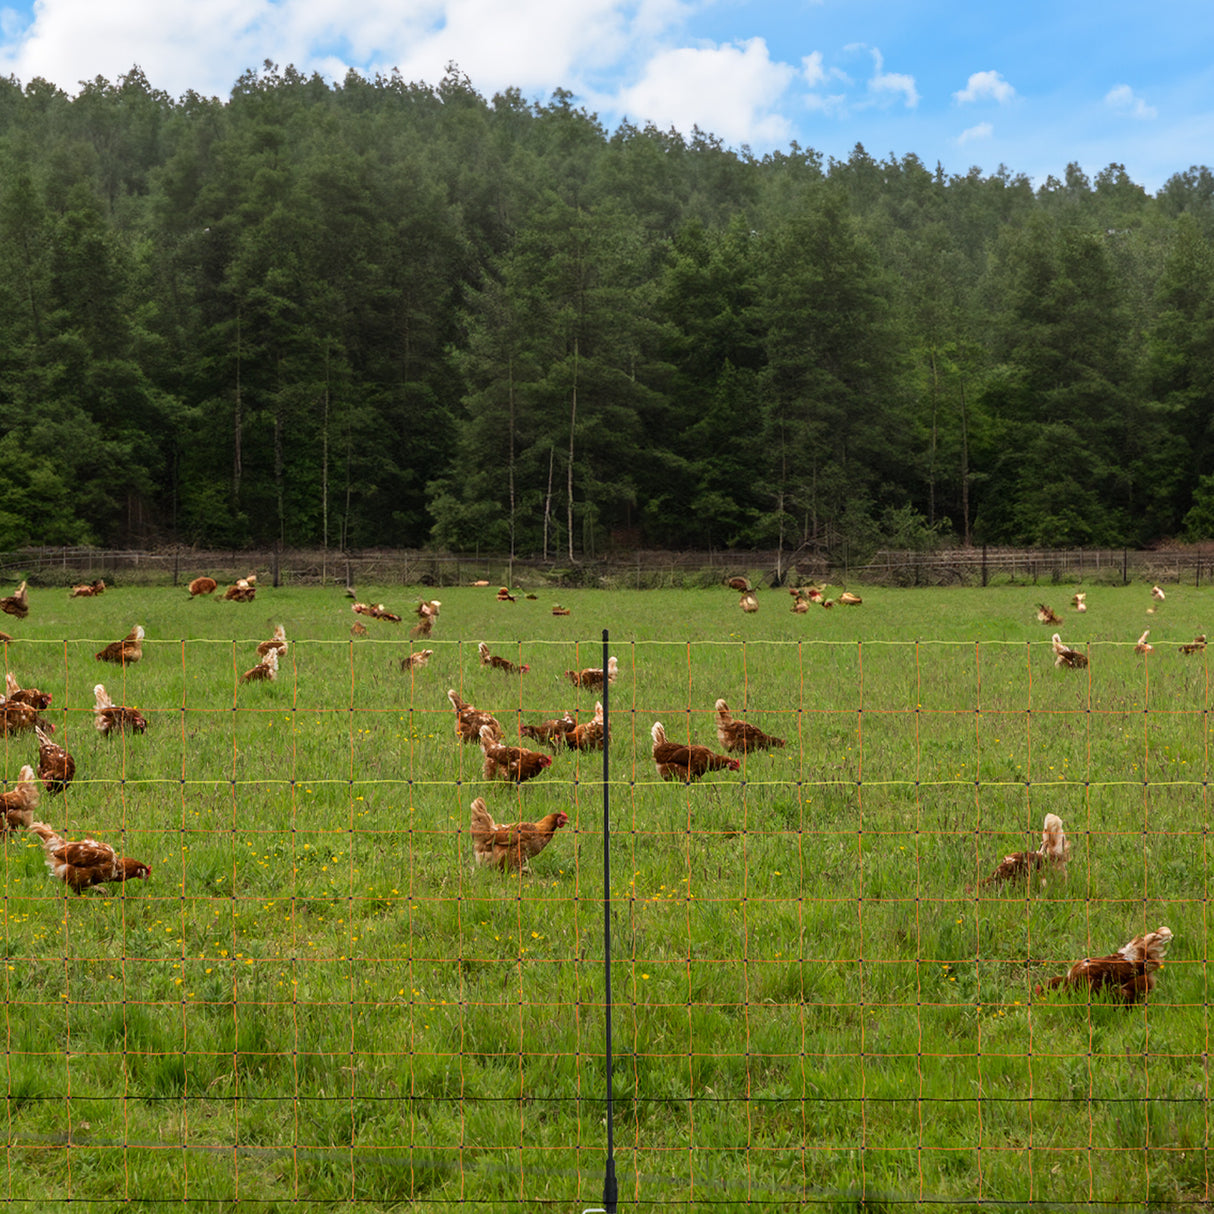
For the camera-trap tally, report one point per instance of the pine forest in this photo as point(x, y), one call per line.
point(383, 313)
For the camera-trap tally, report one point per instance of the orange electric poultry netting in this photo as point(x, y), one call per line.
point(825, 991)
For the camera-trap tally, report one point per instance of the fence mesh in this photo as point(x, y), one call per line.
point(820, 1000)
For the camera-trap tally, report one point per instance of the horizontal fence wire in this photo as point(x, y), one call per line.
point(824, 998)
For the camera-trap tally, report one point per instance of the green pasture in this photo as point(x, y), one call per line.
point(318, 1001)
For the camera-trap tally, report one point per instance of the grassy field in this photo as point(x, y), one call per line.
point(317, 1000)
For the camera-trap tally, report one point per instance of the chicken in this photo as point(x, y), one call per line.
point(1196, 645)
point(800, 606)
point(1127, 973)
point(739, 735)
point(203, 585)
point(422, 628)
point(850, 600)
point(86, 862)
point(504, 595)
point(740, 584)
point(358, 630)
point(278, 642)
point(557, 609)
point(87, 590)
point(593, 676)
point(1064, 655)
point(510, 847)
point(676, 762)
point(16, 694)
point(16, 717)
point(510, 762)
point(17, 603)
point(749, 603)
point(266, 671)
point(55, 766)
point(428, 608)
point(1045, 615)
point(416, 660)
point(469, 720)
point(1079, 600)
point(129, 649)
point(1142, 645)
point(1156, 593)
point(588, 735)
point(1055, 850)
point(495, 663)
point(377, 611)
point(554, 733)
point(109, 717)
point(241, 591)
point(18, 804)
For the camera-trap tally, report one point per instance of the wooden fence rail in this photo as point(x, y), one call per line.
point(641, 570)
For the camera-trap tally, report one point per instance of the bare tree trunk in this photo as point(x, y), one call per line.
point(548, 499)
point(965, 468)
point(237, 427)
point(931, 463)
point(572, 424)
point(510, 375)
point(324, 476)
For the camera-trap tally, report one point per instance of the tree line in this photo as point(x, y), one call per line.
point(383, 312)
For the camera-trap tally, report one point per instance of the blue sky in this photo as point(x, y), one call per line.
point(1032, 86)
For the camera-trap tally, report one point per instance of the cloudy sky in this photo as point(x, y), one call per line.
point(1033, 85)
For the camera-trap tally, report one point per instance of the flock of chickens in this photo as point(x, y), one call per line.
point(1127, 974)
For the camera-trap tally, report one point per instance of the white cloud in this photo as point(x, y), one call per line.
point(882, 84)
point(729, 90)
point(816, 75)
point(985, 86)
point(1124, 100)
point(206, 44)
point(983, 130)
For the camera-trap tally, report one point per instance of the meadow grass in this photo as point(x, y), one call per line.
point(318, 999)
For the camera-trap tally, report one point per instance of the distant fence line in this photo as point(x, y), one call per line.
point(649, 569)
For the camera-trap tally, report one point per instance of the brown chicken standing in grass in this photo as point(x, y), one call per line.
point(675, 761)
point(87, 590)
point(588, 735)
point(1196, 645)
point(18, 804)
point(56, 767)
point(1047, 615)
point(266, 671)
point(1065, 656)
point(470, 720)
point(510, 762)
point(510, 847)
point(593, 675)
point(415, 661)
point(109, 717)
point(16, 717)
point(85, 863)
point(277, 642)
point(1125, 974)
point(1054, 852)
point(17, 604)
point(740, 735)
point(126, 651)
point(14, 693)
point(496, 663)
point(554, 733)
point(203, 585)
point(1142, 645)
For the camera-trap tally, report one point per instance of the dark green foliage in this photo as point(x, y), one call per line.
point(381, 312)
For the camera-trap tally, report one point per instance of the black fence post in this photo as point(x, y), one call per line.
point(610, 1188)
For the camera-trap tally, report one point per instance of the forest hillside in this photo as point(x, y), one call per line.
point(389, 313)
